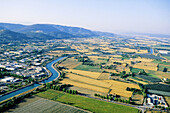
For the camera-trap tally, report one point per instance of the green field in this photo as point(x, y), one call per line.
point(136, 70)
point(168, 57)
point(88, 68)
point(161, 62)
point(87, 103)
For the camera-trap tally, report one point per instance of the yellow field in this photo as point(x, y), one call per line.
point(167, 98)
point(103, 76)
point(94, 75)
point(70, 63)
point(103, 86)
point(120, 91)
point(144, 59)
point(138, 81)
point(116, 56)
point(90, 53)
point(86, 86)
point(122, 85)
point(128, 50)
point(88, 80)
point(146, 65)
point(142, 51)
point(112, 71)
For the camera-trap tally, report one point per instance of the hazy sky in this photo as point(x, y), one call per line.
point(149, 16)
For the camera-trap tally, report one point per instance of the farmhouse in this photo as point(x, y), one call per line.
point(153, 100)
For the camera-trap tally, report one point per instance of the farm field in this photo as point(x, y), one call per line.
point(148, 78)
point(102, 86)
point(89, 103)
point(94, 75)
point(138, 81)
point(161, 89)
point(148, 66)
point(120, 88)
point(87, 80)
point(47, 106)
point(86, 86)
point(167, 98)
point(85, 91)
point(103, 76)
point(138, 99)
point(88, 68)
point(161, 62)
point(70, 63)
point(158, 74)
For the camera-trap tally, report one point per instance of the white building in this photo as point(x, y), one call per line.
point(7, 79)
point(153, 100)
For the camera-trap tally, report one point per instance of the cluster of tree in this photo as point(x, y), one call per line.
point(110, 67)
point(143, 90)
point(124, 101)
point(29, 80)
point(114, 74)
point(82, 58)
point(61, 88)
point(135, 62)
point(5, 73)
point(125, 56)
point(165, 69)
point(60, 68)
point(15, 85)
point(162, 107)
point(12, 102)
point(143, 72)
point(118, 63)
point(62, 75)
point(104, 97)
point(134, 90)
point(123, 74)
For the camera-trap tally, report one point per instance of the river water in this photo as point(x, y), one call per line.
point(54, 75)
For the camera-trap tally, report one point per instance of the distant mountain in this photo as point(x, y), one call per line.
point(51, 31)
point(12, 27)
point(1, 28)
point(104, 34)
point(6, 35)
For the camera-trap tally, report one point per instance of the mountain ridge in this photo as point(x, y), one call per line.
point(52, 31)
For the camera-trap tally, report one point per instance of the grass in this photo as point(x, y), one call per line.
point(161, 62)
point(136, 70)
point(168, 57)
point(158, 74)
point(89, 103)
point(88, 68)
point(162, 66)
